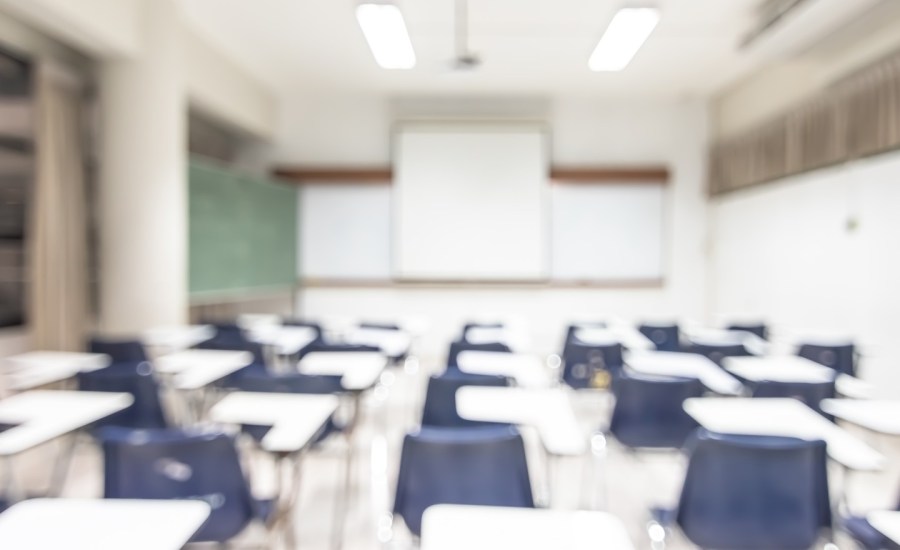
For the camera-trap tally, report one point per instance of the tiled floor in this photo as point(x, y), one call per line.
point(621, 482)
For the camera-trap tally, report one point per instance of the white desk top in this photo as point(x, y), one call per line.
point(517, 340)
point(196, 368)
point(782, 417)
point(878, 416)
point(287, 340)
point(686, 365)
point(39, 368)
point(393, 343)
point(359, 370)
point(791, 368)
point(44, 415)
point(97, 524)
point(547, 410)
point(176, 338)
point(526, 370)
point(887, 523)
point(629, 337)
point(295, 418)
point(455, 527)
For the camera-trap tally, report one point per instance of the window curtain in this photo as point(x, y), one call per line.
point(857, 117)
point(58, 228)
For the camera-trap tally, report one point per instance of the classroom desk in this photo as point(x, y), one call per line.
point(452, 527)
point(393, 343)
point(176, 338)
point(359, 370)
point(283, 340)
point(791, 368)
point(629, 337)
point(194, 369)
point(43, 415)
point(295, 419)
point(526, 370)
point(887, 523)
point(782, 417)
point(685, 365)
point(878, 416)
point(98, 524)
point(39, 368)
point(549, 411)
point(720, 337)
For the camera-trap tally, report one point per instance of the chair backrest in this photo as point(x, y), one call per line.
point(120, 351)
point(573, 328)
point(292, 382)
point(718, 352)
point(810, 393)
point(758, 329)
point(582, 361)
point(337, 347)
point(180, 464)
point(380, 326)
point(664, 337)
point(477, 466)
point(136, 379)
point(754, 492)
point(649, 410)
point(841, 357)
point(440, 397)
point(460, 346)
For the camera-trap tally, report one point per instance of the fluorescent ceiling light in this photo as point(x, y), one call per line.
point(385, 31)
point(627, 32)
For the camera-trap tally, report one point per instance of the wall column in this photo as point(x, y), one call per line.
point(143, 189)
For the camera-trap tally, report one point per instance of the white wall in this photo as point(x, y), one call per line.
point(584, 131)
point(817, 253)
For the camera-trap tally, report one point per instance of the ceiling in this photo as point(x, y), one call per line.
point(528, 47)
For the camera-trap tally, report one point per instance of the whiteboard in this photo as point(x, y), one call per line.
point(608, 231)
point(470, 202)
point(345, 231)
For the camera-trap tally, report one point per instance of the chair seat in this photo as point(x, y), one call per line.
point(864, 533)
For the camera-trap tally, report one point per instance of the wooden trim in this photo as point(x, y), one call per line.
point(599, 174)
point(306, 175)
point(340, 283)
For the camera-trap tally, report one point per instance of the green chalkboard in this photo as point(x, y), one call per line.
point(243, 231)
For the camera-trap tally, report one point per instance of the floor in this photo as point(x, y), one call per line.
point(611, 478)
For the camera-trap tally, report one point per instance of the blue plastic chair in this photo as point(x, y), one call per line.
point(440, 397)
point(183, 464)
point(718, 352)
point(649, 410)
point(460, 346)
point(570, 334)
point(758, 329)
point(121, 351)
point(841, 358)
point(664, 337)
point(810, 393)
point(582, 361)
point(477, 466)
point(747, 492)
point(865, 534)
point(136, 379)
